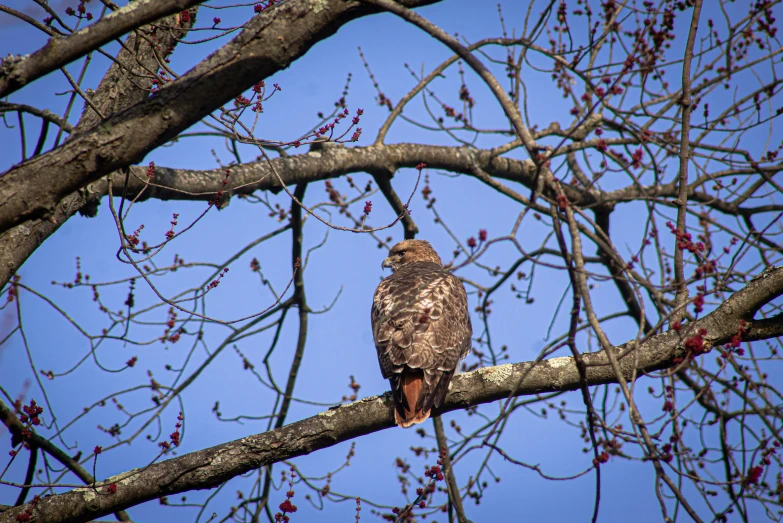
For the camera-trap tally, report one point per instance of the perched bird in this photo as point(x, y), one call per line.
point(421, 328)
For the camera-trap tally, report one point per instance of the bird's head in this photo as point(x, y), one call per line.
point(410, 251)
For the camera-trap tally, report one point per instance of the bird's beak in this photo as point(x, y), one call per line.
point(387, 264)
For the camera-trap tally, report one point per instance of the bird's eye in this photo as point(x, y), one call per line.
point(400, 253)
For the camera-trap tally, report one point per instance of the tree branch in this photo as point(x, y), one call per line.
point(20, 241)
point(210, 467)
point(59, 52)
point(15, 427)
point(451, 481)
point(681, 297)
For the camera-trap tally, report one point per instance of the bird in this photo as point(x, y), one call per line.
point(421, 329)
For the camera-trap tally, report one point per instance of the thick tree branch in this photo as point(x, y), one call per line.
point(210, 467)
point(333, 162)
point(15, 73)
point(182, 184)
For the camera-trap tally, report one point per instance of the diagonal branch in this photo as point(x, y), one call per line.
point(59, 52)
point(210, 467)
point(455, 500)
point(15, 427)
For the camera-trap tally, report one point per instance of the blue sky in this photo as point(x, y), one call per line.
point(348, 265)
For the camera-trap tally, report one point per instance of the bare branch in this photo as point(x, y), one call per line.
point(685, 155)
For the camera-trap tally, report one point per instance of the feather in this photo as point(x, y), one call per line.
point(409, 410)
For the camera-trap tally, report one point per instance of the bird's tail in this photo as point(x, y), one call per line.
point(409, 411)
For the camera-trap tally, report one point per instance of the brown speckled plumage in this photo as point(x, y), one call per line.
point(421, 328)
